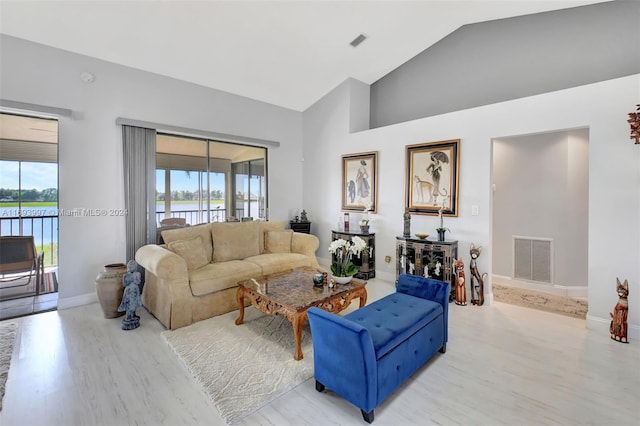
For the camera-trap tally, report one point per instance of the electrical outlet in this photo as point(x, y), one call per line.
point(475, 210)
point(387, 259)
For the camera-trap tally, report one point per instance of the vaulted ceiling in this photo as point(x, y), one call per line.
point(287, 53)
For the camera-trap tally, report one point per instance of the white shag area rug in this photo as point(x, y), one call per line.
point(242, 367)
point(8, 332)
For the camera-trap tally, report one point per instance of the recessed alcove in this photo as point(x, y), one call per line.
point(541, 196)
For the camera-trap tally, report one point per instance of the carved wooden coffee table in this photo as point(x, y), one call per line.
point(291, 293)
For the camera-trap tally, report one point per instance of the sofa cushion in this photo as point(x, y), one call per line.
point(188, 232)
point(394, 318)
point(220, 276)
point(266, 227)
point(192, 251)
point(235, 241)
point(278, 262)
point(278, 241)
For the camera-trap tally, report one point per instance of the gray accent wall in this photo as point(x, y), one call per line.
point(495, 61)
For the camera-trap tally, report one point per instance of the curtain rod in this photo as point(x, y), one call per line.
point(222, 137)
point(24, 106)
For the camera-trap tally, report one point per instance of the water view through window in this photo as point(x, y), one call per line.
point(29, 203)
point(209, 181)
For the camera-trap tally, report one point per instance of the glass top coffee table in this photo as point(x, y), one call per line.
point(291, 293)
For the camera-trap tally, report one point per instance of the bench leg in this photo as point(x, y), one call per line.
point(368, 417)
point(443, 349)
point(319, 386)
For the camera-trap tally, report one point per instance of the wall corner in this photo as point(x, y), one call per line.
point(359, 105)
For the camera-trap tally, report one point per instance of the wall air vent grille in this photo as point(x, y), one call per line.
point(532, 259)
point(356, 41)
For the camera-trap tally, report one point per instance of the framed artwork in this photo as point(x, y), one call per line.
point(431, 177)
point(360, 182)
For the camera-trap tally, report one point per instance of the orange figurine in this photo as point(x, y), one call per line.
point(461, 290)
point(618, 327)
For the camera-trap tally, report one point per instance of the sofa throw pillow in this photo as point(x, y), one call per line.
point(235, 241)
point(265, 227)
point(192, 251)
point(278, 241)
point(189, 232)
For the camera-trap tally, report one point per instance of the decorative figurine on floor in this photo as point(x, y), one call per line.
point(618, 327)
point(461, 290)
point(131, 298)
point(477, 281)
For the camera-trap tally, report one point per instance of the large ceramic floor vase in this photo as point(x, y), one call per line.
point(110, 289)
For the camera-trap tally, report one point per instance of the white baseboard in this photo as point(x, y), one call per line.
point(386, 276)
point(602, 326)
point(558, 290)
point(76, 301)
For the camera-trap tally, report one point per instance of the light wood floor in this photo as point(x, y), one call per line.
point(504, 365)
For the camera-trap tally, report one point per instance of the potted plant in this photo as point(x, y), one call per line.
point(366, 219)
point(364, 225)
point(342, 250)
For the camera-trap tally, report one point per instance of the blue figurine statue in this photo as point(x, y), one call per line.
point(131, 298)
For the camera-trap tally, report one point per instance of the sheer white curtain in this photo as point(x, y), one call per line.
point(139, 156)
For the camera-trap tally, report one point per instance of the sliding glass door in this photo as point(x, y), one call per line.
point(201, 181)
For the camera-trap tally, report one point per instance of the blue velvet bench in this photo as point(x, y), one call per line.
point(365, 355)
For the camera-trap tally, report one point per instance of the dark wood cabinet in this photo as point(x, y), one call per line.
point(304, 227)
point(427, 258)
point(366, 263)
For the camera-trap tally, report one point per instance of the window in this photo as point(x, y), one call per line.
point(209, 181)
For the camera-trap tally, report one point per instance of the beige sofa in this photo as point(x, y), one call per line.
point(194, 275)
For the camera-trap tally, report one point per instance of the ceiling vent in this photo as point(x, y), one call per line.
point(356, 41)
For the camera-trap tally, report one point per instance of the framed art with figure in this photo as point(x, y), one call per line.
point(432, 177)
point(360, 182)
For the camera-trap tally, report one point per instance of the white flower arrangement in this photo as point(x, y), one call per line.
point(343, 251)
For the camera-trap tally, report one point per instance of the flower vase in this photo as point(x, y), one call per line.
point(110, 289)
point(364, 229)
point(441, 233)
point(342, 280)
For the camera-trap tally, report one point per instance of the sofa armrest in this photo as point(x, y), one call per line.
point(306, 244)
point(344, 358)
point(161, 262)
point(427, 288)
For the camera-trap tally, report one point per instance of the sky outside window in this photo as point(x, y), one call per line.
point(34, 175)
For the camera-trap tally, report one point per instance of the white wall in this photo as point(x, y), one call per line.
point(91, 163)
point(541, 191)
point(614, 176)
point(90, 151)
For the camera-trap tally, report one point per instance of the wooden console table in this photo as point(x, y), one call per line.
point(427, 258)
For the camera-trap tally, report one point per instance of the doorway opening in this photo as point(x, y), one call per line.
point(28, 210)
point(540, 220)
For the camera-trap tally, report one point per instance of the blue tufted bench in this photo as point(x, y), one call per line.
point(365, 355)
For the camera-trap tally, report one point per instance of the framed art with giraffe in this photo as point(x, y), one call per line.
point(432, 177)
